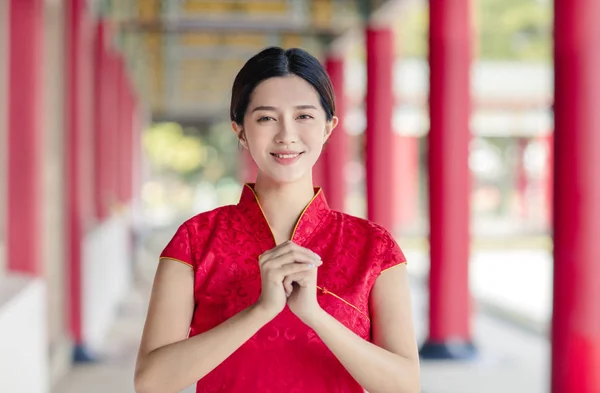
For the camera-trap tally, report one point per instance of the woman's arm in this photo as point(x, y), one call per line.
point(168, 361)
point(391, 364)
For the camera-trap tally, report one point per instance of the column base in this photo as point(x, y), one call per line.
point(82, 354)
point(449, 350)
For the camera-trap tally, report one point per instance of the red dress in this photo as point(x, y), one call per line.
point(285, 355)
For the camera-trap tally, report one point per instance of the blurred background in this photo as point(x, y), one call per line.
point(115, 129)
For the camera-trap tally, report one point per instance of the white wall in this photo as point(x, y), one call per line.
point(106, 271)
point(23, 336)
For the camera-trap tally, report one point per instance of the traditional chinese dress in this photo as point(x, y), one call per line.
point(222, 247)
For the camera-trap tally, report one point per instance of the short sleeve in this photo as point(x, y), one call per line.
point(179, 248)
point(394, 256)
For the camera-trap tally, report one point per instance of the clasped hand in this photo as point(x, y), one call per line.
point(289, 275)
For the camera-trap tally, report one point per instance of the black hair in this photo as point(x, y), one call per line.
point(278, 62)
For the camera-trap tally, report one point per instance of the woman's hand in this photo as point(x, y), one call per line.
point(302, 300)
point(285, 260)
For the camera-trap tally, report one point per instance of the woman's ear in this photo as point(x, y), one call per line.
point(330, 126)
point(239, 131)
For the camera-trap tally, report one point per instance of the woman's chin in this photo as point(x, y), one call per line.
point(284, 177)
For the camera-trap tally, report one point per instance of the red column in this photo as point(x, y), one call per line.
point(121, 131)
point(449, 180)
point(379, 134)
point(576, 314)
point(78, 163)
point(136, 147)
point(112, 133)
point(335, 155)
point(100, 121)
point(106, 123)
point(128, 125)
point(25, 199)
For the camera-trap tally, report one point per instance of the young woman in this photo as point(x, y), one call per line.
point(279, 293)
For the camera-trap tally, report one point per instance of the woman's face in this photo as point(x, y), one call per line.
point(285, 128)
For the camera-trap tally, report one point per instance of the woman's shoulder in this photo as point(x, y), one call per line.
point(378, 239)
point(206, 218)
point(364, 226)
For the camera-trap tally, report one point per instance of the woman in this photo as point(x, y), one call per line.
point(279, 293)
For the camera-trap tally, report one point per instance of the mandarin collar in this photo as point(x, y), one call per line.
point(312, 216)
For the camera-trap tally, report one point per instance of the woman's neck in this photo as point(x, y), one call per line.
point(283, 204)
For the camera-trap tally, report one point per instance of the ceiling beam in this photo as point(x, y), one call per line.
point(232, 25)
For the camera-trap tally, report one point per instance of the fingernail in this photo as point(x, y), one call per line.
point(311, 265)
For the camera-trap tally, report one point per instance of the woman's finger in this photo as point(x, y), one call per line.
point(288, 247)
point(292, 268)
point(270, 254)
point(293, 256)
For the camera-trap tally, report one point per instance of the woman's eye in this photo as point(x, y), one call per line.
point(304, 117)
point(264, 118)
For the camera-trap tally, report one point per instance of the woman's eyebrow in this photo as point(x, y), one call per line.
point(272, 108)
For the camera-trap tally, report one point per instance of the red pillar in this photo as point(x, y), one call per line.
point(103, 122)
point(335, 155)
point(379, 134)
point(449, 180)
point(576, 314)
point(128, 125)
point(25, 199)
point(99, 120)
point(112, 133)
point(78, 162)
point(136, 147)
point(121, 131)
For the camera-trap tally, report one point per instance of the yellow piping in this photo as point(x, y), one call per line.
point(325, 291)
point(297, 222)
point(262, 211)
point(176, 260)
point(304, 211)
point(391, 267)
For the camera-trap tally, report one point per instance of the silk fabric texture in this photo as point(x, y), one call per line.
point(222, 246)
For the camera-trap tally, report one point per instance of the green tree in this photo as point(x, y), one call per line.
point(514, 29)
point(505, 29)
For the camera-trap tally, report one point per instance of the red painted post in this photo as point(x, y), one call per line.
point(449, 180)
point(121, 131)
point(576, 315)
point(335, 154)
point(128, 105)
point(112, 131)
point(25, 199)
point(79, 150)
point(101, 122)
point(379, 133)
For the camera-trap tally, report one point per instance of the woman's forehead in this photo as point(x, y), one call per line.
point(284, 91)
